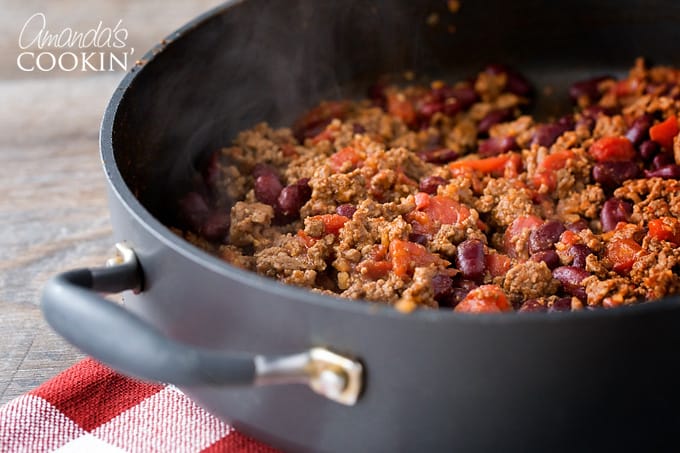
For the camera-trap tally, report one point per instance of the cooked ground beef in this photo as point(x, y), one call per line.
point(449, 196)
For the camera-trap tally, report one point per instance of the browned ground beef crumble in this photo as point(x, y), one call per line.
point(448, 196)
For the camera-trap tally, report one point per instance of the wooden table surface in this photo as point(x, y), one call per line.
point(53, 207)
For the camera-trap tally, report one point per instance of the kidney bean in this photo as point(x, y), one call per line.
point(438, 156)
point(215, 227)
point(264, 169)
point(428, 109)
point(194, 209)
point(580, 252)
point(346, 210)
point(497, 145)
point(376, 93)
point(418, 238)
point(460, 290)
point(561, 304)
point(267, 189)
point(466, 96)
point(442, 287)
point(429, 184)
point(571, 277)
point(358, 128)
point(470, 259)
point(494, 117)
point(211, 171)
point(649, 149)
point(547, 134)
point(613, 211)
point(612, 174)
point(661, 160)
point(545, 236)
point(588, 88)
point(291, 198)
point(452, 106)
point(549, 257)
point(666, 172)
point(515, 82)
point(639, 130)
point(532, 305)
point(577, 226)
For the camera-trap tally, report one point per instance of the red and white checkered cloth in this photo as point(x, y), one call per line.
point(90, 408)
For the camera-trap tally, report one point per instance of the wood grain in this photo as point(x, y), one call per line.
point(53, 209)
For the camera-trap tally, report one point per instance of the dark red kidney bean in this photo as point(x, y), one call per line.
point(442, 287)
point(593, 111)
point(612, 174)
point(580, 252)
point(376, 93)
point(494, 117)
point(429, 184)
point(649, 149)
point(561, 304)
point(211, 171)
point(549, 257)
point(264, 169)
point(466, 96)
point(215, 227)
point(588, 87)
point(267, 189)
point(428, 109)
point(358, 128)
point(194, 209)
point(547, 134)
point(661, 160)
point(438, 156)
point(666, 172)
point(452, 106)
point(639, 130)
point(461, 289)
point(571, 277)
point(291, 198)
point(515, 83)
point(613, 211)
point(418, 238)
point(346, 210)
point(497, 145)
point(545, 236)
point(577, 226)
point(532, 305)
point(470, 259)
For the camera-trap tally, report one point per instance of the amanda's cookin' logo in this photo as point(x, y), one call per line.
point(97, 49)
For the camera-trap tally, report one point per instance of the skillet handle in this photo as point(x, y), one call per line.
point(122, 340)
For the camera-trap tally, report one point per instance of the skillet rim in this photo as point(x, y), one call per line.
point(366, 308)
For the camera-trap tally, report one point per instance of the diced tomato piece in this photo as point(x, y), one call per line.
point(611, 149)
point(665, 229)
point(398, 105)
point(622, 253)
point(664, 133)
point(497, 264)
point(326, 134)
point(306, 239)
point(347, 154)
point(375, 269)
point(491, 165)
point(626, 87)
point(422, 200)
point(446, 210)
point(485, 299)
point(516, 228)
point(570, 238)
point(332, 223)
point(545, 173)
point(406, 256)
point(318, 116)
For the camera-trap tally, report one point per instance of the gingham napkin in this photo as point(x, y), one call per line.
point(90, 408)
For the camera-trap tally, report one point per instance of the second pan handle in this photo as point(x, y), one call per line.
point(119, 338)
